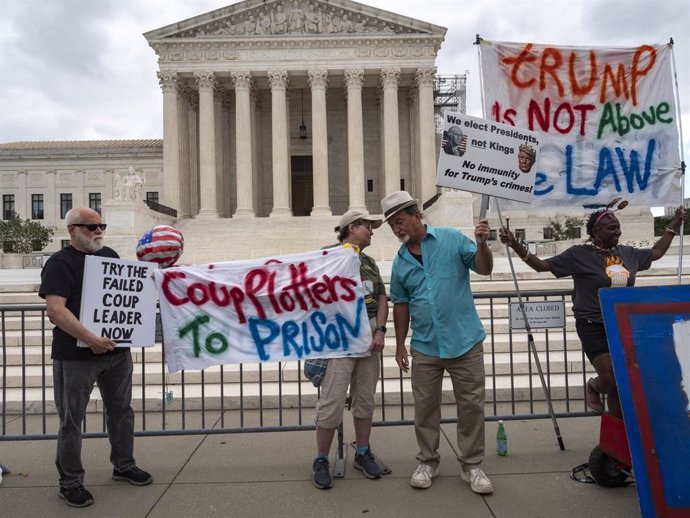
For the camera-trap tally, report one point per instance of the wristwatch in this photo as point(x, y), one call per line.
point(381, 328)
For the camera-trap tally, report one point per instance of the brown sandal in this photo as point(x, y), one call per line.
point(594, 399)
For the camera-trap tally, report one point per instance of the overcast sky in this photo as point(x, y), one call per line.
point(81, 69)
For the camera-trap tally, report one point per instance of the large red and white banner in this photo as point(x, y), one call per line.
point(292, 307)
point(607, 117)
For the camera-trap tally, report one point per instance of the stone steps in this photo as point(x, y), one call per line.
point(292, 394)
point(30, 355)
point(502, 364)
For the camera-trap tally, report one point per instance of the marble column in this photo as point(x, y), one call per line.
point(380, 179)
point(207, 145)
point(243, 144)
point(278, 79)
point(391, 130)
point(171, 141)
point(415, 187)
point(256, 106)
point(354, 78)
point(318, 80)
point(226, 206)
point(185, 208)
point(193, 124)
point(219, 134)
point(425, 78)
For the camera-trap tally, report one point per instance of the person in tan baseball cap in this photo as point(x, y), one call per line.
point(361, 375)
point(430, 291)
point(352, 216)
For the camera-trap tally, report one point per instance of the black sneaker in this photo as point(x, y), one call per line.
point(366, 463)
point(76, 496)
point(135, 476)
point(322, 473)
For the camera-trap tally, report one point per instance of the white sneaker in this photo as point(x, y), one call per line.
point(478, 481)
point(421, 478)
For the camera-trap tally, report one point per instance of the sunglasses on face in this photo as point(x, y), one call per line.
point(90, 226)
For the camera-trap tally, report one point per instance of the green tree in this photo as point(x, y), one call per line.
point(23, 236)
point(571, 229)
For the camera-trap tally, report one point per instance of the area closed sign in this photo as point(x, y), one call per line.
point(540, 315)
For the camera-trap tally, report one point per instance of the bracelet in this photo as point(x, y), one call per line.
point(669, 229)
point(526, 256)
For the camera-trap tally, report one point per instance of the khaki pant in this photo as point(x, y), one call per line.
point(467, 376)
point(361, 375)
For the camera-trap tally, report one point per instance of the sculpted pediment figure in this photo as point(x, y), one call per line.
point(294, 18)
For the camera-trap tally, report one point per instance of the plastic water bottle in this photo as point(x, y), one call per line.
point(501, 440)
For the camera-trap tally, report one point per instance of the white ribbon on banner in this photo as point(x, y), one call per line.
point(293, 307)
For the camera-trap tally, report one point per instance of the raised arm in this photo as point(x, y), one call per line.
point(484, 259)
point(538, 265)
point(661, 246)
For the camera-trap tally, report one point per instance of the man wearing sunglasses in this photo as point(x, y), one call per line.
point(76, 369)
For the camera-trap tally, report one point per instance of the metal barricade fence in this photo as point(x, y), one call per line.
point(249, 398)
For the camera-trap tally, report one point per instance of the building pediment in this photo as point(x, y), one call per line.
point(258, 19)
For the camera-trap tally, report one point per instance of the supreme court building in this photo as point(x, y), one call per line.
point(290, 108)
point(272, 110)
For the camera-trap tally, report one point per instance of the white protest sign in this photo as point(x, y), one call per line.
point(118, 300)
point(293, 307)
point(481, 156)
point(606, 118)
point(540, 315)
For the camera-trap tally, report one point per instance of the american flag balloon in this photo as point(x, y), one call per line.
point(162, 244)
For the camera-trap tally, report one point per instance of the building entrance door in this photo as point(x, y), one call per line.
point(302, 185)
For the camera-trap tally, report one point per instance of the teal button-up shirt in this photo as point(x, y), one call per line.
point(443, 316)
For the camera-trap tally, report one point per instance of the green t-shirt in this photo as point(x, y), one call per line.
point(373, 283)
point(371, 280)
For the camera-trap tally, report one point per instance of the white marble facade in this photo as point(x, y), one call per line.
point(39, 180)
point(239, 82)
point(237, 85)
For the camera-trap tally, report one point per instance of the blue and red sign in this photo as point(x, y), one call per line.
point(647, 334)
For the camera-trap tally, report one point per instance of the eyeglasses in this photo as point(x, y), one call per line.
point(91, 226)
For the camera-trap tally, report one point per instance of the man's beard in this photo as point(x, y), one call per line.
point(404, 238)
point(90, 245)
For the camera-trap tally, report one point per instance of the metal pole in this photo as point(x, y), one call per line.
point(530, 338)
point(530, 341)
point(682, 161)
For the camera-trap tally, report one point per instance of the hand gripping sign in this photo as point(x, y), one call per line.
point(119, 300)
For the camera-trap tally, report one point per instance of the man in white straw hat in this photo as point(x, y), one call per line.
point(430, 288)
point(361, 375)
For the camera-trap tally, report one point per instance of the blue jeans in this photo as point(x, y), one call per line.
point(73, 383)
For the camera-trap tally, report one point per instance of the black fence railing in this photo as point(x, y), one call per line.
point(428, 203)
point(247, 398)
point(159, 207)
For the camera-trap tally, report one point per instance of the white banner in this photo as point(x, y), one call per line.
point(487, 157)
point(294, 307)
point(606, 118)
point(118, 300)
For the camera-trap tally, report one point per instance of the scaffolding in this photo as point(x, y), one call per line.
point(450, 93)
